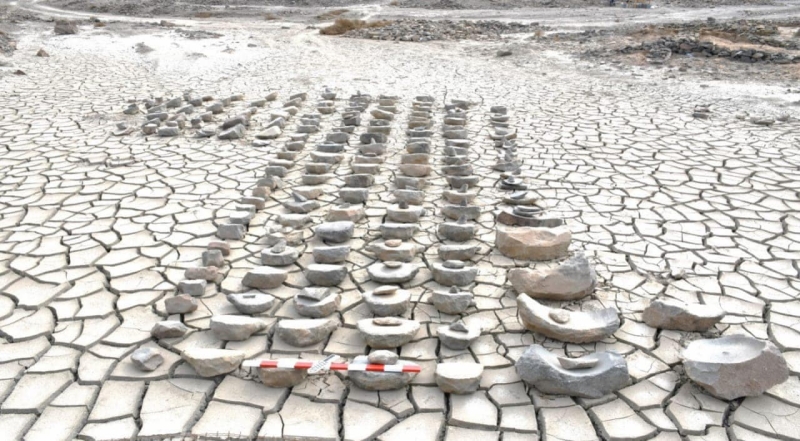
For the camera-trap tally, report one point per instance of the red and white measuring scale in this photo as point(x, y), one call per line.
point(325, 365)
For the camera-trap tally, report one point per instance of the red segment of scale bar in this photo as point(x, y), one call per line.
point(272, 364)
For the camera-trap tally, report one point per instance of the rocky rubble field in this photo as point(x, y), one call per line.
point(433, 30)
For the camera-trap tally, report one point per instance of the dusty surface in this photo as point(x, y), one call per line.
point(98, 229)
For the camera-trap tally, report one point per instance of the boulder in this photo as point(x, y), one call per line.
point(734, 366)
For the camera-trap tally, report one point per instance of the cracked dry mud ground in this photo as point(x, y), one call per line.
point(97, 231)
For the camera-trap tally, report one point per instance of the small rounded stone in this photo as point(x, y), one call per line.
point(453, 264)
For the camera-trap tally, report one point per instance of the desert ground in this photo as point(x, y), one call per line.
point(162, 164)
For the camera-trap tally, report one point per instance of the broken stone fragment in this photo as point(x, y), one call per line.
point(235, 132)
point(387, 332)
point(379, 381)
point(316, 302)
point(680, 316)
point(331, 254)
point(325, 275)
point(264, 277)
point(169, 329)
point(251, 302)
point(387, 301)
point(346, 212)
point(147, 359)
point(63, 27)
point(394, 250)
point(521, 198)
point(567, 326)
point(213, 258)
point(402, 213)
point(195, 288)
point(382, 357)
point(531, 243)
point(180, 304)
point(231, 231)
point(734, 366)
point(458, 378)
point(458, 336)
point(606, 373)
point(279, 255)
point(390, 230)
point(336, 232)
point(272, 132)
point(457, 251)
point(282, 377)
point(572, 280)
point(455, 212)
point(453, 301)
point(453, 273)
point(212, 362)
point(305, 332)
point(459, 231)
point(520, 218)
point(235, 327)
point(208, 273)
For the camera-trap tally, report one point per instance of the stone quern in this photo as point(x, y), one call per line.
point(567, 326)
point(734, 366)
point(591, 376)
